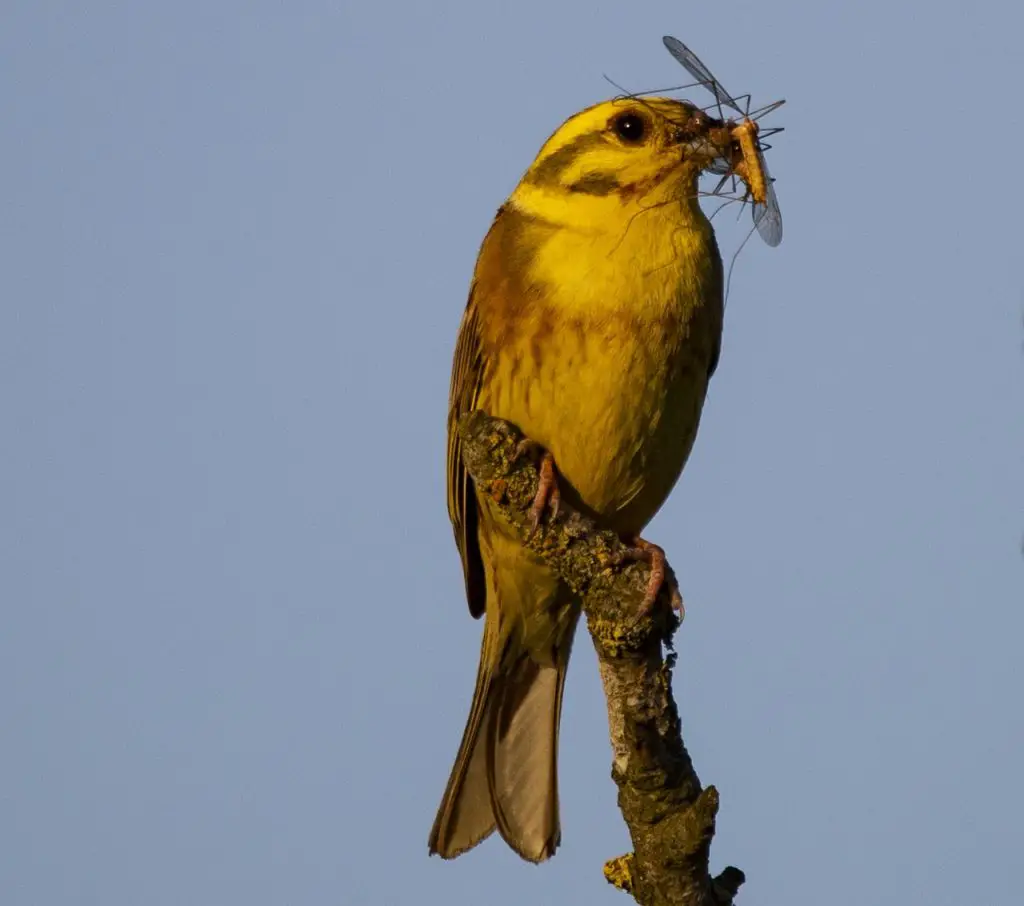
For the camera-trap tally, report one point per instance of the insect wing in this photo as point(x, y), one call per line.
point(767, 216)
point(692, 64)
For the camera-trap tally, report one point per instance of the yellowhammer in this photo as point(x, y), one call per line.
point(594, 323)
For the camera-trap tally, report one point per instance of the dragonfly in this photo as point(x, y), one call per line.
point(753, 169)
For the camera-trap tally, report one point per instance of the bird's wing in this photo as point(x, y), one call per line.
point(467, 374)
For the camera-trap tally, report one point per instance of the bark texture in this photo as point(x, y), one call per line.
point(671, 818)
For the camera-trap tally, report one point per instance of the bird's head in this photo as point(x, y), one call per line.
point(620, 154)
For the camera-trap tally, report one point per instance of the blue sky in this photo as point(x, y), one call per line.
point(236, 659)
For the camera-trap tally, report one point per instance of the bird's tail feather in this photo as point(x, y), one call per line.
point(465, 816)
point(505, 774)
point(523, 773)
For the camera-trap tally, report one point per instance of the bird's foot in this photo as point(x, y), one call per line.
point(661, 573)
point(547, 494)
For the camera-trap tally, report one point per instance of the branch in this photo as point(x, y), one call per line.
point(671, 819)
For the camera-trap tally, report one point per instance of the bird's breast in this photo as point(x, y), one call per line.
point(615, 398)
point(598, 345)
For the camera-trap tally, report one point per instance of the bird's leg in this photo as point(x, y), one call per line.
point(547, 489)
point(639, 549)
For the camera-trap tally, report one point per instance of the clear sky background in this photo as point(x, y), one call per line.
point(235, 658)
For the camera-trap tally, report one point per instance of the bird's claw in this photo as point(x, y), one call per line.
point(547, 494)
point(661, 573)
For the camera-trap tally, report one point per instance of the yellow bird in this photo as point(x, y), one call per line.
point(594, 323)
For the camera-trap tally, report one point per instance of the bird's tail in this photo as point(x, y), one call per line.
point(505, 775)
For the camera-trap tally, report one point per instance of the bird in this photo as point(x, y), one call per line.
point(593, 324)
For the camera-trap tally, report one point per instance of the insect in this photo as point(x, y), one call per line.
point(751, 168)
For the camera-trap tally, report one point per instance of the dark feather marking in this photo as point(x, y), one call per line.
point(596, 184)
point(550, 170)
point(467, 375)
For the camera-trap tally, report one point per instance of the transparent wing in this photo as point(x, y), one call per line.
point(767, 216)
point(692, 64)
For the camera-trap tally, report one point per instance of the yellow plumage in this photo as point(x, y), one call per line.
point(593, 323)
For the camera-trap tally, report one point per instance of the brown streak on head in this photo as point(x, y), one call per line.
point(596, 184)
point(550, 170)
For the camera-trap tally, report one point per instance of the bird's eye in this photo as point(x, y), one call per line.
point(699, 120)
point(630, 127)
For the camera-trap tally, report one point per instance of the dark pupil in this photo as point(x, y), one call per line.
point(629, 127)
